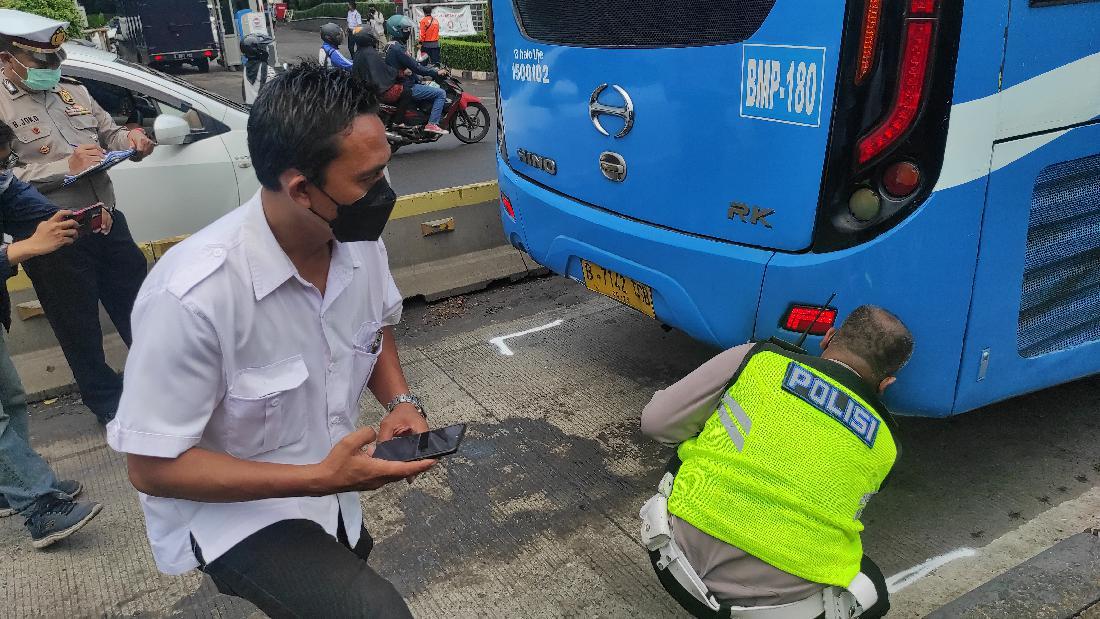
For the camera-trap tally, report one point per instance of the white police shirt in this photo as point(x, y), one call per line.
point(234, 352)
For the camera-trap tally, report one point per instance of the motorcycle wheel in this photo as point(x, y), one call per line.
point(472, 124)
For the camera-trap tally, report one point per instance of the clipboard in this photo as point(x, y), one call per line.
point(110, 160)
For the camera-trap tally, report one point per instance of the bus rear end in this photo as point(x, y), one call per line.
point(726, 167)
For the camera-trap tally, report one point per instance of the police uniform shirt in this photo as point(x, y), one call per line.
point(48, 125)
point(234, 352)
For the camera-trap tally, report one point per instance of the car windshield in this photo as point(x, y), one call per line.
point(175, 80)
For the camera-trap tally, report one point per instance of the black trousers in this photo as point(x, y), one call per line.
point(294, 569)
point(70, 283)
point(698, 609)
point(434, 55)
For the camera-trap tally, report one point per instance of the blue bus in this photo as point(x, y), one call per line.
point(725, 167)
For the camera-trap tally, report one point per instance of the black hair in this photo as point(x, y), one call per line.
point(878, 337)
point(7, 135)
point(299, 117)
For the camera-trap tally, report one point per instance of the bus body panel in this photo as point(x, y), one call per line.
point(994, 366)
point(711, 123)
point(683, 270)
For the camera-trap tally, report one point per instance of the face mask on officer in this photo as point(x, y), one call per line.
point(34, 78)
point(364, 219)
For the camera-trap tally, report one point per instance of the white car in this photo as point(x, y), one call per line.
point(200, 169)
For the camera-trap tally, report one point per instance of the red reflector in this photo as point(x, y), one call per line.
point(914, 68)
point(208, 54)
point(871, 17)
point(801, 317)
point(158, 58)
point(508, 206)
point(922, 8)
point(901, 179)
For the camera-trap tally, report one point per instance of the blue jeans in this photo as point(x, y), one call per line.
point(24, 475)
point(421, 92)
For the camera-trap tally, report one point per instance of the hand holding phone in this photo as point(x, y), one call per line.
point(348, 468)
point(89, 218)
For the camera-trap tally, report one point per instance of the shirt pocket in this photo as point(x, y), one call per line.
point(264, 408)
point(87, 125)
point(31, 134)
point(368, 345)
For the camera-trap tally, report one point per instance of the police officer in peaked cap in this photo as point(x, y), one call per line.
point(60, 130)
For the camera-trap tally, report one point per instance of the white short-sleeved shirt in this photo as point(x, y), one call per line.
point(354, 19)
point(234, 352)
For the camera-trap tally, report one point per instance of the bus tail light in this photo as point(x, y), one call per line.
point(208, 54)
point(910, 92)
point(871, 17)
point(507, 206)
point(901, 179)
point(818, 320)
point(158, 58)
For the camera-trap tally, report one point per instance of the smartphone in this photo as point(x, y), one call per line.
point(89, 218)
point(431, 444)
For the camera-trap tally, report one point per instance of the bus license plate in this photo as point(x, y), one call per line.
point(181, 56)
point(618, 287)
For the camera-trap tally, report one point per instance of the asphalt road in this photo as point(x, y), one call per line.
point(413, 169)
point(537, 514)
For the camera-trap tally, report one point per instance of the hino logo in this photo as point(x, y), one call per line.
point(750, 214)
point(624, 111)
point(545, 164)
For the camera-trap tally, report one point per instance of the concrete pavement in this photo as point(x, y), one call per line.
point(536, 515)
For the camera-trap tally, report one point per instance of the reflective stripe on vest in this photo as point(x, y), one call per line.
point(783, 468)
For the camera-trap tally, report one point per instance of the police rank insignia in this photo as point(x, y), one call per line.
point(827, 398)
point(66, 96)
point(58, 37)
point(45, 150)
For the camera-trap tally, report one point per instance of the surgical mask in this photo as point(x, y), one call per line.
point(364, 219)
point(40, 79)
point(5, 179)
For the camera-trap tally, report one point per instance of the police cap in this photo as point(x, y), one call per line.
point(41, 37)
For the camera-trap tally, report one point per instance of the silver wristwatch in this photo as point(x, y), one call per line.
point(406, 398)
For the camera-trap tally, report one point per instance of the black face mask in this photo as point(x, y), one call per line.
point(364, 219)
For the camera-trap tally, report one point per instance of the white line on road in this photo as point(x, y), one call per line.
point(903, 579)
point(508, 352)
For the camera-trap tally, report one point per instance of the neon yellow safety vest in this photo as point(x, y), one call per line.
point(786, 464)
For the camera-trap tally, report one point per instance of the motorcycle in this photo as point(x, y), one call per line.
point(464, 115)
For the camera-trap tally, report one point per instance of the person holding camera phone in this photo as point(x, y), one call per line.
point(27, 485)
point(61, 131)
point(253, 341)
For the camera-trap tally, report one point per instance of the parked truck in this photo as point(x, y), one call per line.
point(166, 33)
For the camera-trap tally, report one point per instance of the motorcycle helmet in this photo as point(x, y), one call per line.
point(254, 46)
point(363, 37)
point(332, 34)
point(399, 28)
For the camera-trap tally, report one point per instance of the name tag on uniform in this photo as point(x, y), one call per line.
point(831, 400)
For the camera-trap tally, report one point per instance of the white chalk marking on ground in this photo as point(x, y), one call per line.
point(508, 352)
point(903, 579)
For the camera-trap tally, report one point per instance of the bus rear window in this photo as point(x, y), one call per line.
point(635, 23)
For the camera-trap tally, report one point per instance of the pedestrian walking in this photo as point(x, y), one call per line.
point(355, 20)
point(779, 453)
point(429, 37)
point(27, 484)
point(60, 130)
point(254, 340)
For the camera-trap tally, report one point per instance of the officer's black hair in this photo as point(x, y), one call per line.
point(299, 118)
point(7, 135)
point(878, 337)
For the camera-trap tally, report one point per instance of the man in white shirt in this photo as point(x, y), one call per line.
point(355, 20)
point(253, 341)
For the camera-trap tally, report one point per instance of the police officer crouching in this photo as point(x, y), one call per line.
point(60, 130)
point(779, 453)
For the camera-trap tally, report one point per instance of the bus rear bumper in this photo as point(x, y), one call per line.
point(559, 232)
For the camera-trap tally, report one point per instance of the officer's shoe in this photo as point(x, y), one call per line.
point(70, 487)
point(55, 517)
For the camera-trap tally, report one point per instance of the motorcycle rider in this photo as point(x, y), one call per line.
point(256, 71)
point(397, 56)
point(332, 36)
point(369, 65)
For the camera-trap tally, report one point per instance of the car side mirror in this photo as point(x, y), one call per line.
point(171, 130)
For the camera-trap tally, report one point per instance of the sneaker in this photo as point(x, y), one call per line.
point(56, 517)
point(70, 487)
point(434, 128)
